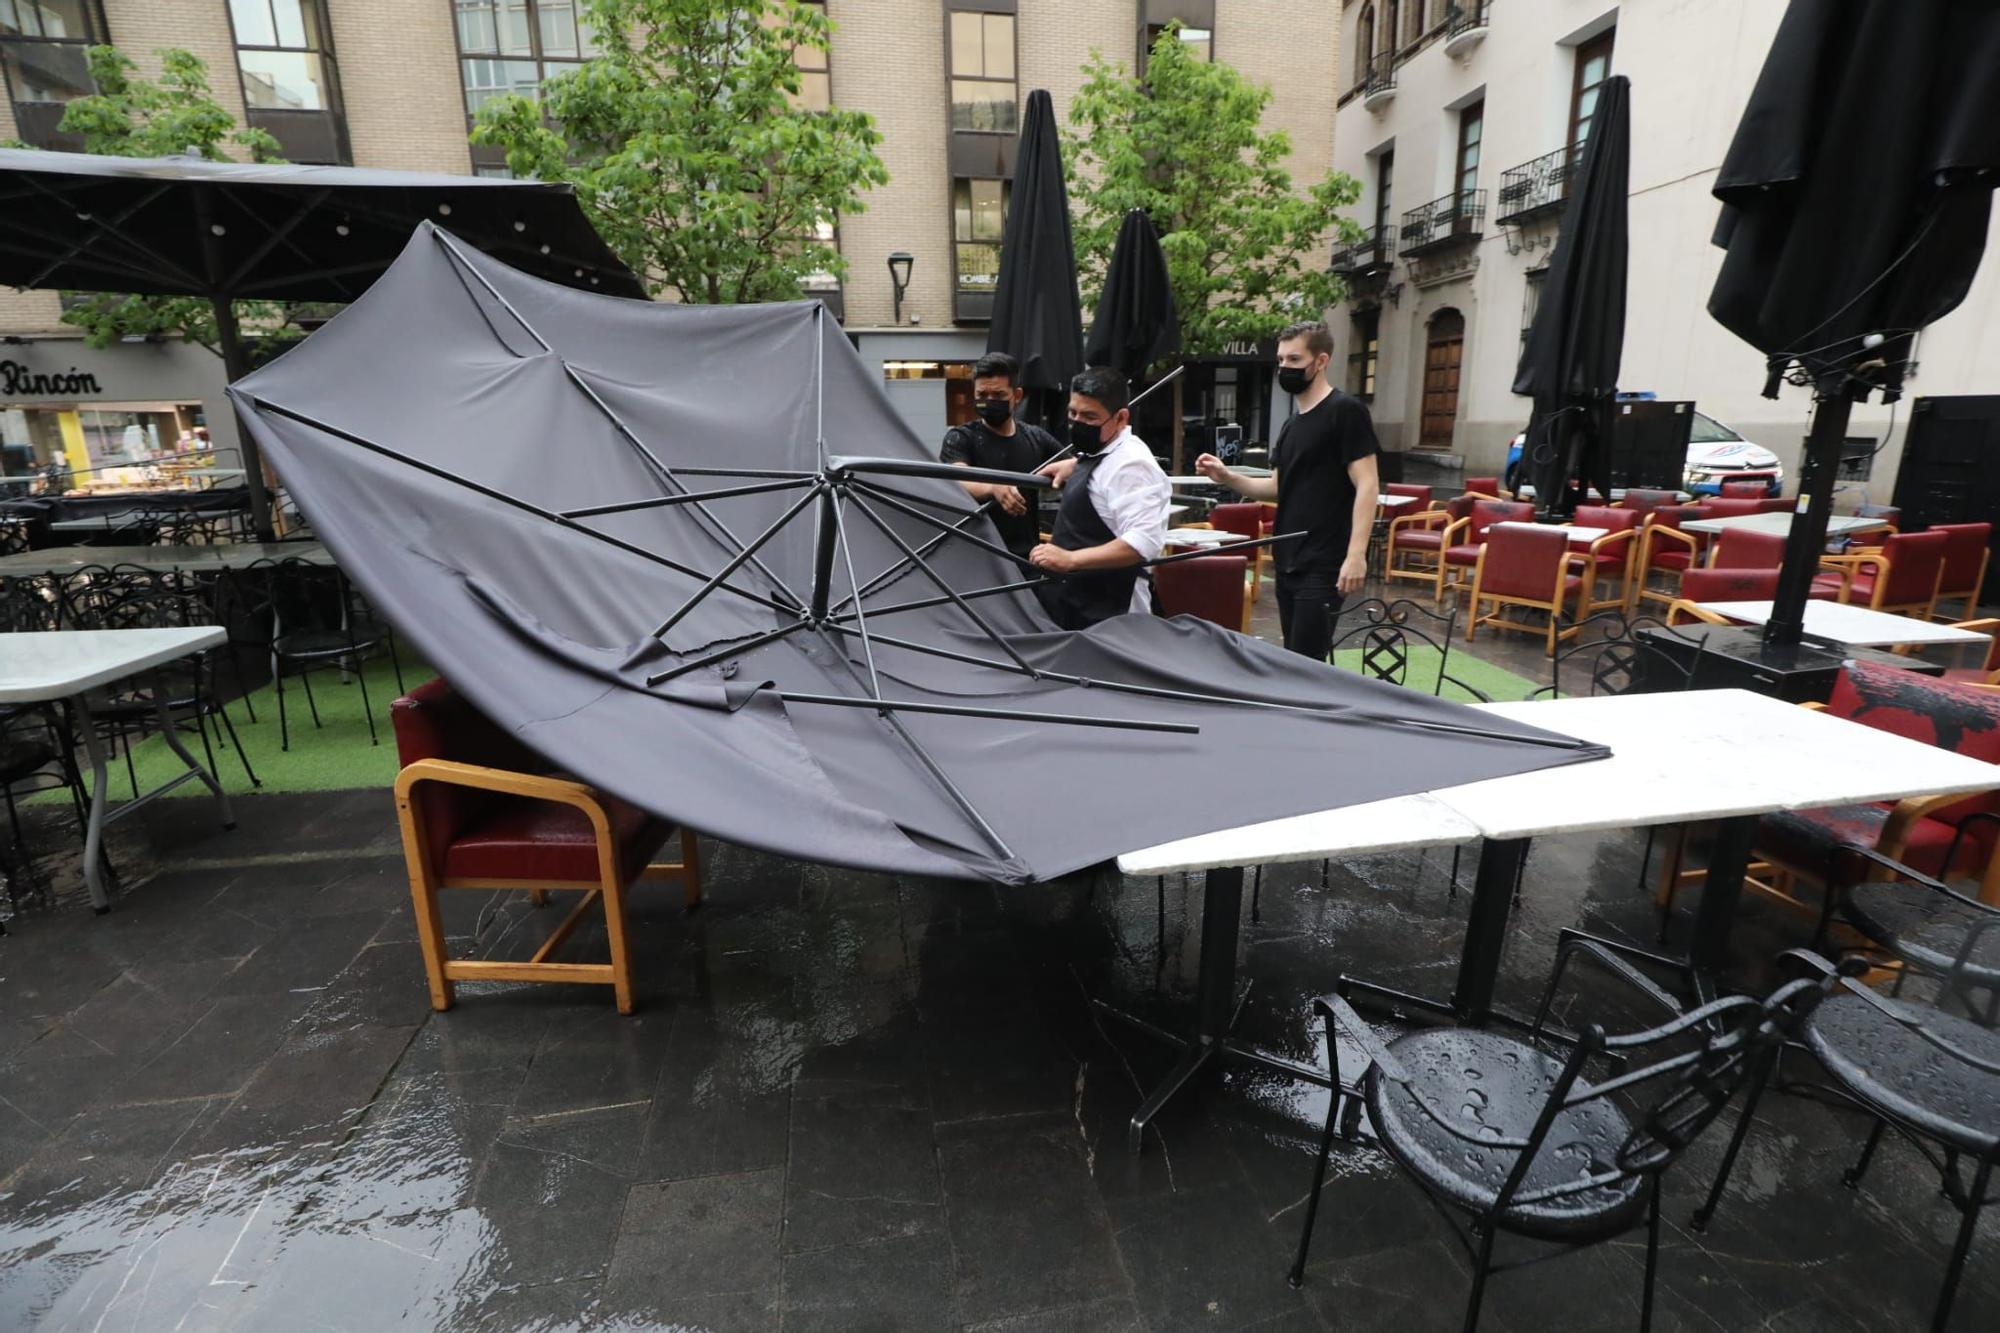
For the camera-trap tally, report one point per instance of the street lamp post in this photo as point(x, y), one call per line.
point(900, 264)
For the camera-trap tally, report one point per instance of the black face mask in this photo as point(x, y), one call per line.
point(1294, 379)
point(993, 411)
point(1086, 438)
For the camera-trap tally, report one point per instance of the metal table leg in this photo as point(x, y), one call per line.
point(93, 826)
point(1485, 942)
point(1721, 892)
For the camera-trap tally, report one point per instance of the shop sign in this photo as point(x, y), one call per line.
point(21, 381)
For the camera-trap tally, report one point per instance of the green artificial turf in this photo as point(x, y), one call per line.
point(1496, 683)
point(336, 757)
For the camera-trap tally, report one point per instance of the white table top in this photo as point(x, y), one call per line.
point(43, 665)
point(1739, 753)
point(1394, 501)
point(1855, 626)
point(1780, 525)
point(1202, 537)
point(1526, 491)
point(1577, 532)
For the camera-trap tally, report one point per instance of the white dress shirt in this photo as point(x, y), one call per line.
point(1131, 494)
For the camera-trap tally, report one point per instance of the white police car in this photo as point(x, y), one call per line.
point(1715, 454)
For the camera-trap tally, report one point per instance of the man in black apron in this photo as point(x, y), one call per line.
point(994, 439)
point(1113, 515)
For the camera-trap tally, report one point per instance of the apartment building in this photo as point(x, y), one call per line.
point(395, 83)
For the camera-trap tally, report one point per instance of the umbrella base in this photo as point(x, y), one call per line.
point(1742, 659)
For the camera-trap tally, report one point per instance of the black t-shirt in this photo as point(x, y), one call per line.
point(975, 445)
point(1315, 494)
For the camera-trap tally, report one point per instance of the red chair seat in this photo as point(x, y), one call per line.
point(1825, 587)
point(513, 837)
point(1672, 557)
point(1572, 583)
point(1467, 555)
point(1818, 842)
point(1419, 539)
point(1861, 587)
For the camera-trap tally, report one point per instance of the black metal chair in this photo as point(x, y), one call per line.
point(315, 623)
point(1920, 924)
point(37, 753)
point(14, 536)
point(1608, 656)
point(1392, 636)
point(1517, 1140)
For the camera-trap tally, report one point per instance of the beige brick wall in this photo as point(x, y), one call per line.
point(143, 28)
point(1057, 36)
point(29, 312)
point(400, 81)
point(1296, 56)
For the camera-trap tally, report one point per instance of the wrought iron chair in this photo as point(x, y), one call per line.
point(14, 537)
point(1516, 1140)
point(1391, 636)
point(313, 624)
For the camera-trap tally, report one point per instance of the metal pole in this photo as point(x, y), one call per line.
point(235, 359)
point(1831, 407)
point(829, 535)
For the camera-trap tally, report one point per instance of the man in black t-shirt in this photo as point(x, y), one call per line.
point(995, 440)
point(1324, 478)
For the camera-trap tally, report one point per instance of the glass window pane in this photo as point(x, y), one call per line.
point(44, 18)
point(1594, 70)
point(989, 210)
point(980, 105)
point(999, 46)
point(966, 45)
point(284, 80)
point(46, 72)
point(512, 21)
point(559, 39)
point(961, 210)
point(292, 28)
point(252, 19)
point(978, 268)
point(488, 79)
point(476, 32)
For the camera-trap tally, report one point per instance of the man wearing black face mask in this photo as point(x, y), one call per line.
point(996, 440)
point(1324, 479)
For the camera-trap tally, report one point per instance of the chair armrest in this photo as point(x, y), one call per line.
point(1686, 539)
point(1907, 874)
point(1680, 606)
point(1905, 815)
point(1338, 1012)
point(1815, 705)
point(1625, 535)
point(1457, 525)
point(1423, 518)
point(1472, 690)
point(1851, 564)
point(563, 791)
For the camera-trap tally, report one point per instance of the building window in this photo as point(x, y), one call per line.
point(979, 222)
point(1200, 42)
point(815, 72)
point(1593, 67)
point(284, 51)
point(984, 95)
point(43, 52)
point(1366, 356)
point(1392, 26)
point(1385, 173)
point(1364, 44)
point(513, 46)
point(1416, 23)
point(1471, 128)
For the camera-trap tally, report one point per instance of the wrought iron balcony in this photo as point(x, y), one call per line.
point(1534, 188)
point(1456, 219)
point(1369, 255)
point(1466, 22)
point(1379, 87)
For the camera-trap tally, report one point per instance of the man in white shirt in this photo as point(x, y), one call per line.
point(1113, 515)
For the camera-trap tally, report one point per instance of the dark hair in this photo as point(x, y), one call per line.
point(1318, 339)
point(998, 366)
point(1105, 386)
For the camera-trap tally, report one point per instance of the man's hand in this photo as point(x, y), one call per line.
point(1353, 573)
point(1058, 471)
point(1052, 558)
point(1009, 499)
point(1213, 468)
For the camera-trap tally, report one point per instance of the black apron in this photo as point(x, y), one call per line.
point(1077, 601)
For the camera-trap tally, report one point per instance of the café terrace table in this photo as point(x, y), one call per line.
point(42, 667)
point(1203, 537)
point(1857, 626)
point(1780, 525)
point(1736, 757)
point(1577, 532)
point(233, 556)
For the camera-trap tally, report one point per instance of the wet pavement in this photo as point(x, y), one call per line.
point(847, 1101)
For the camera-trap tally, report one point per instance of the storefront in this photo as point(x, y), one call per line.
point(136, 405)
point(1222, 398)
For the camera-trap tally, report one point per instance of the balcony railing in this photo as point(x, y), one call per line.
point(1373, 251)
point(1453, 220)
point(1466, 16)
point(1380, 83)
point(1534, 188)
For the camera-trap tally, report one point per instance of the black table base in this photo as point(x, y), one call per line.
point(1738, 658)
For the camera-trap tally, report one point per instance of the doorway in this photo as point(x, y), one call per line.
point(1444, 351)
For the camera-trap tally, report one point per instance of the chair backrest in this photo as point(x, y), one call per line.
point(29, 604)
point(1673, 515)
point(1729, 584)
point(1607, 517)
point(1393, 636)
point(434, 721)
point(1730, 507)
point(1610, 655)
point(1952, 717)
point(1485, 513)
point(1965, 554)
point(1644, 502)
point(299, 594)
point(1246, 519)
point(1460, 506)
point(1777, 504)
point(1523, 560)
point(1421, 494)
point(1489, 486)
point(1746, 490)
point(1915, 559)
point(1209, 587)
point(1742, 548)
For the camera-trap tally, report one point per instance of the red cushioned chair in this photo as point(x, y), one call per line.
point(1968, 548)
point(1486, 487)
point(1607, 560)
point(1728, 585)
point(1462, 547)
point(1421, 494)
point(1211, 587)
point(1730, 507)
point(1665, 549)
point(1741, 548)
point(1745, 490)
point(1421, 537)
point(1520, 564)
point(1245, 520)
point(479, 810)
point(1644, 502)
point(1987, 673)
point(1902, 574)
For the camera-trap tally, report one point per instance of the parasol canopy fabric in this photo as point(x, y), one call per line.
point(1571, 359)
point(504, 466)
point(1037, 317)
point(1136, 324)
point(1856, 193)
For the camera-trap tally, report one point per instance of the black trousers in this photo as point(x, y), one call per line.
point(1308, 604)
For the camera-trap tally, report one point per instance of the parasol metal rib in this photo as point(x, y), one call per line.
point(902, 567)
point(663, 501)
point(737, 561)
point(944, 587)
point(724, 654)
point(919, 467)
point(1221, 548)
point(861, 620)
point(742, 472)
point(477, 488)
point(888, 498)
point(923, 603)
point(1006, 714)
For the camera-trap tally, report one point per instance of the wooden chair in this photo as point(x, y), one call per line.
point(1527, 566)
point(1609, 558)
point(1462, 554)
point(479, 810)
point(1664, 548)
point(1965, 559)
point(1903, 574)
point(1422, 536)
point(1486, 488)
point(1987, 673)
point(1210, 587)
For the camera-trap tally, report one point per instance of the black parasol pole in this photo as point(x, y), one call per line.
point(235, 358)
point(1807, 539)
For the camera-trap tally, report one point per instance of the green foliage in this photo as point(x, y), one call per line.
point(1248, 254)
point(685, 147)
point(130, 116)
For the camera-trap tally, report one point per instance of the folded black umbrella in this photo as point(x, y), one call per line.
point(1136, 324)
point(1570, 362)
point(691, 554)
point(1037, 318)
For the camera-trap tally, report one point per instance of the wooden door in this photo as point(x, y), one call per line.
point(1443, 353)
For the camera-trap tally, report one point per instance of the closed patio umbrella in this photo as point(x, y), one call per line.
point(1855, 201)
point(1037, 318)
point(1570, 363)
point(1136, 323)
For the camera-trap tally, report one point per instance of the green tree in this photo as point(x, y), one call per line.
point(1247, 252)
point(131, 116)
point(685, 144)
